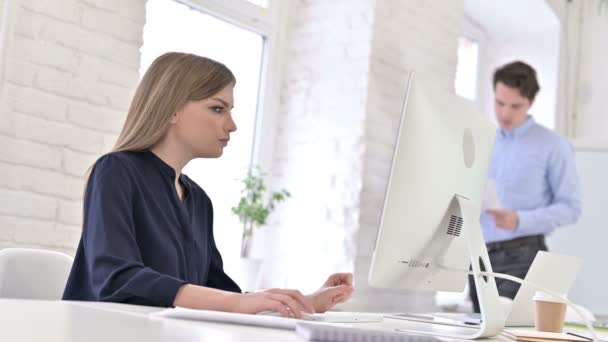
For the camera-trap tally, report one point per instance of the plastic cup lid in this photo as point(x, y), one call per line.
point(545, 297)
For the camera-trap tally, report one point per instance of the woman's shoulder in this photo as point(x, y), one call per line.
point(115, 163)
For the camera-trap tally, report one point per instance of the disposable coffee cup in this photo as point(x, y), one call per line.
point(550, 312)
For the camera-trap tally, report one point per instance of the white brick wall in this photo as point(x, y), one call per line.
point(318, 153)
point(408, 35)
point(47, 106)
point(70, 70)
point(340, 105)
point(21, 151)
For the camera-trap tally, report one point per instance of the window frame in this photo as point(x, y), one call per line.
point(7, 10)
point(269, 23)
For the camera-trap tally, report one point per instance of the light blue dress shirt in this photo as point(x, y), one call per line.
point(535, 175)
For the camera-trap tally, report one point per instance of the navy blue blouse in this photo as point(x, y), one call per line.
point(140, 242)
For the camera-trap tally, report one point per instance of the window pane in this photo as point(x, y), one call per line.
point(172, 26)
point(466, 70)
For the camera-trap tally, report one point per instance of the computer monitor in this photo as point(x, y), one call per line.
point(429, 232)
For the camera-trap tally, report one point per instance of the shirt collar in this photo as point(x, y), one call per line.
point(168, 170)
point(165, 168)
point(520, 130)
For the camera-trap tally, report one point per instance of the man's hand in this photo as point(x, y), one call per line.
point(337, 289)
point(504, 218)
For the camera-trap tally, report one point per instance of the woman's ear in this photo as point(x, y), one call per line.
point(174, 118)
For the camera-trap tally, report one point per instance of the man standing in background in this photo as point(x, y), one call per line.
point(535, 176)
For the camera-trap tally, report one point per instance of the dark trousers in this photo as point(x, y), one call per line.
point(512, 257)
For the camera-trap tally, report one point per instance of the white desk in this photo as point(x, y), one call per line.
point(55, 321)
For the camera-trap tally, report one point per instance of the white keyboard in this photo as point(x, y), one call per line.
point(335, 316)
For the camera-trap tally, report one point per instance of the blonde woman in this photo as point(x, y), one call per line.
point(148, 229)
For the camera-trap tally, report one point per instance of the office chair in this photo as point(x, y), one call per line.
point(33, 273)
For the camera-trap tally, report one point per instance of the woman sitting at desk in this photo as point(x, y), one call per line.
point(148, 229)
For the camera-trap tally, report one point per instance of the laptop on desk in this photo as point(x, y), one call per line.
point(553, 271)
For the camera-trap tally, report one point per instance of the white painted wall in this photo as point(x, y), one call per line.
point(70, 68)
point(587, 238)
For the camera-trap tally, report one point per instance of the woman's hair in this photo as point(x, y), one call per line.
point(170, 82)
point(518, 75)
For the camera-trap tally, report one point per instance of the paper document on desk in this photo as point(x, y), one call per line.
point(490, 196)
point(228, 317)
point(523, 335)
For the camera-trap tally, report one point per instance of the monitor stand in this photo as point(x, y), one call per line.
point(492, 314)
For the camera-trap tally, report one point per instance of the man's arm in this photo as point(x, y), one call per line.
point(565, 207)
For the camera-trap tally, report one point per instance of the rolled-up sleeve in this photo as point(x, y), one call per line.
point(113, 258)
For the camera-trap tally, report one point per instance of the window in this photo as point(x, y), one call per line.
point(465, 83)
point(182, 26)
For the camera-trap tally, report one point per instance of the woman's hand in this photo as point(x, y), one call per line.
point(337, 289)
point(289, 303)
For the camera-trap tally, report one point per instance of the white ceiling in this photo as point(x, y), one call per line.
point(512, 17)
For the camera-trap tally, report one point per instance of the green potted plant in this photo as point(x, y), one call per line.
point(255, 206)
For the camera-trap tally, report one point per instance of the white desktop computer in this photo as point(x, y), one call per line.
point(429, 233)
